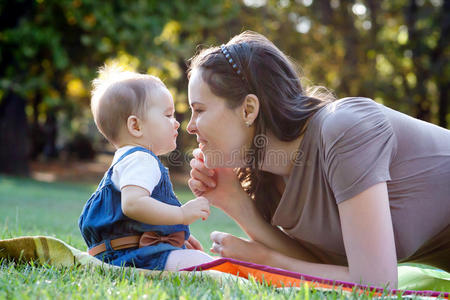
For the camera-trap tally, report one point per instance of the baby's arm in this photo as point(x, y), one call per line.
point(139, 206)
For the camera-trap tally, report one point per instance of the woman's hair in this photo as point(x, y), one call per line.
point(118, 94)
point(256, 66)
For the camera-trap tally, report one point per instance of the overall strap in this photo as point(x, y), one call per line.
point(130, 151)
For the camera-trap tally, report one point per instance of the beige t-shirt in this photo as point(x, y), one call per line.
point(353, 144)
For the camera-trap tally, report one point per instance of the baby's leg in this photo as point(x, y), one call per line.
point(180, 259)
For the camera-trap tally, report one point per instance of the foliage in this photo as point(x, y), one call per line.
point(51, 49)
point(395, 52)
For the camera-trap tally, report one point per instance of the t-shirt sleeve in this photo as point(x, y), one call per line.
point(140, 169)
point(358, 148)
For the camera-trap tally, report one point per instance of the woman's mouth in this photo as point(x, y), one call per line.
point(201, 143)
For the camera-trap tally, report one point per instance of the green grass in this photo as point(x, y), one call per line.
point(29, 207)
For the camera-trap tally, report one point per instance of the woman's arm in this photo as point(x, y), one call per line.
point(139, 206)
point(227, 245)
point(368, 238)
point(250, 220)
point(365, 220)
point(222, 188)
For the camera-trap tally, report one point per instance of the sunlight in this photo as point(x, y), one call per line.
point(124, 60)
point(255, 3)
point(359, 9)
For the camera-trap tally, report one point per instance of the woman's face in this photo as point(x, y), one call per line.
point(221, 131)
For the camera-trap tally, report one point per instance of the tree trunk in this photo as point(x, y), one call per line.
point(443, 104)
point(350, 36)
point(37, 138)
point(177, 159)
point(13, 136)
point(423, 102)
point(440, 63)
point(51, 133)
point(374, 7)
point(324, 10)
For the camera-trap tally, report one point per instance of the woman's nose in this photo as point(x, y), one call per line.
point(191, 126)
point(177, 124)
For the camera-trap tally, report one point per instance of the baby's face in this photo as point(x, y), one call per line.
point(160, 127)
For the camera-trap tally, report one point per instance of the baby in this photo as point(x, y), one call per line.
point(134, 218)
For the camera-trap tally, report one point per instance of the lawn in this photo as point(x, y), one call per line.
point(29, 207)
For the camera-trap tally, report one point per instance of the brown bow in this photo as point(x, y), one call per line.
point(152, 238)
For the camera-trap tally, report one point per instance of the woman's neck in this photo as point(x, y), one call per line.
point(280, 155)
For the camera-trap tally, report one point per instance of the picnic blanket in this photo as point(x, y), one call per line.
point(413, 280)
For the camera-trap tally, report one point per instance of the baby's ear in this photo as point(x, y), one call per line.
point(134, 126)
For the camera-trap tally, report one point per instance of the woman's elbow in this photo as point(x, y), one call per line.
point(388, 280)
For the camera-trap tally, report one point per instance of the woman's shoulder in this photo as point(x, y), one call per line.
point(350, 108)
point(347, 115)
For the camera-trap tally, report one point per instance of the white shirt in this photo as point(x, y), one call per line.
point(139, 168)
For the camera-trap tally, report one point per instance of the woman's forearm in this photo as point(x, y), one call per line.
point(251, 221)
point(278, 260)
point(333, 272)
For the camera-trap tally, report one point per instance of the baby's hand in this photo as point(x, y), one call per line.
point(195, 209)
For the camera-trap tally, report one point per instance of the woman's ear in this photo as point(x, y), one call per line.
point(134, 126)
point(250, 109)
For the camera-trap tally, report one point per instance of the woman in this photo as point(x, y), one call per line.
point(342, 189)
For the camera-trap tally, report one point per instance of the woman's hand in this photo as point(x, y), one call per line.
point(221, 185)
point(227, 245)
point(193, 243)
point(202, 179)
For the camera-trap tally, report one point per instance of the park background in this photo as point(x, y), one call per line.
point(395, 52)
point(51, 155)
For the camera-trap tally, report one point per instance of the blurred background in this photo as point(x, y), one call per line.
point(395, 52)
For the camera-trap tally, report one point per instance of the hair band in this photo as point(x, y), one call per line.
point(230, 60)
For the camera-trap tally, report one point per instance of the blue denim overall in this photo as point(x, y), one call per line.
point(102, 220)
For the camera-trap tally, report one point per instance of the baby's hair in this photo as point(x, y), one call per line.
point(118, 94)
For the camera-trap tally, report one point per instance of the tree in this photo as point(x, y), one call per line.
point(52, 49)
point(393, 51)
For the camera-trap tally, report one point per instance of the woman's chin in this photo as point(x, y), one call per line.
point(208, 163)
point(213, 161)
